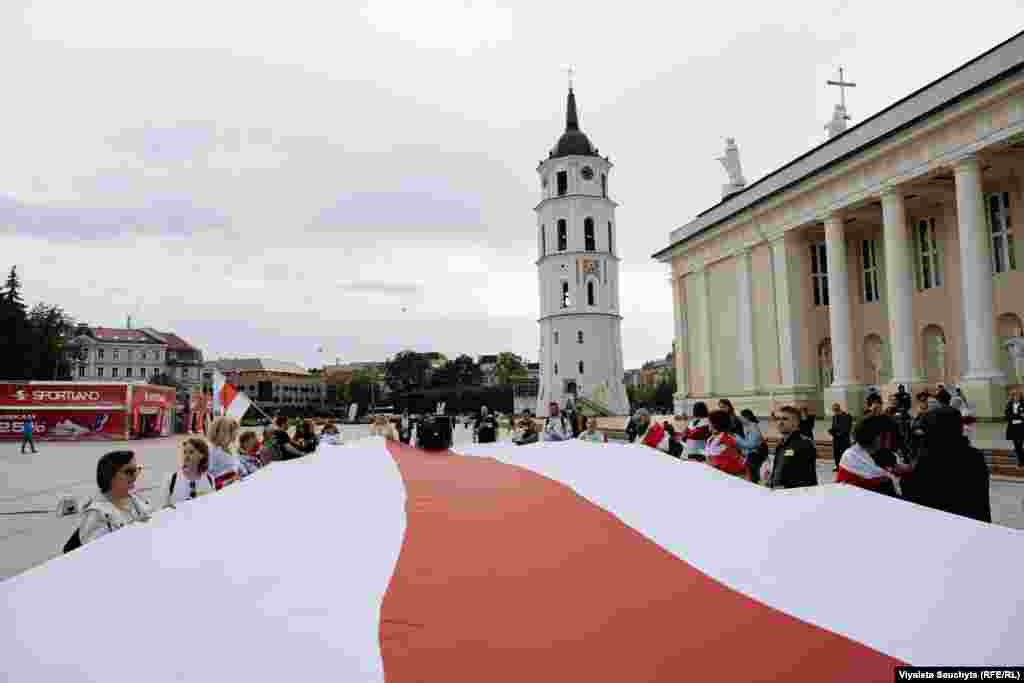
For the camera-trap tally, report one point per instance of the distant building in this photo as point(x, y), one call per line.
point(131, 355)
point(271, 383)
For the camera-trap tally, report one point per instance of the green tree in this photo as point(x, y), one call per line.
point(407, 371)
point(509, 368)
point(467, 372)
point(49, 330)
point(18, 358)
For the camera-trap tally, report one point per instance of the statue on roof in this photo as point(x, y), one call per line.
point(731, 162)
point(838, 123)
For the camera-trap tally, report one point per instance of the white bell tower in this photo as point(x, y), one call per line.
point(578, 269)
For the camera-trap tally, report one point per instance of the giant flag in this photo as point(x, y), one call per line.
point(564, 561)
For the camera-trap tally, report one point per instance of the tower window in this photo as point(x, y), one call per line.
point(604, 185)
point(566, 300)
point(581, 367)
point(611, 248)
point(556, 368)
point(543, 241)
point(563, 182)
point(590, 244)
point(563, 235)
point(591, 297)
point(579, 337)
point(556, 336)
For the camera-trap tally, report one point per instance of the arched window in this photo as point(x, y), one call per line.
point(934, 340)
point(581, 367)
point(611, 247)
point(563, 235)
point(543, 241)
point(604, 185)
point(556, 336)
point(589, 242)
point(566, 299)
point(591, 293)
point(556, 368)
point(1009, 327)
point(579, 336)
point(826, 374)
point(877, 361)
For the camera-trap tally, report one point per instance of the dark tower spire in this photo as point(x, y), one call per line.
point(572, 121)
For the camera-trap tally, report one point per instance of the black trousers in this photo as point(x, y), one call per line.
point(27, 439)
point(839, 447)
point(1018, 447)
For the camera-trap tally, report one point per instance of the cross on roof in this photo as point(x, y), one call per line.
point(570, 71)
point(842, 87)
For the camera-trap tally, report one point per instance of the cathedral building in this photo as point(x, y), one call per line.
point(887, 255)
point(578, 269)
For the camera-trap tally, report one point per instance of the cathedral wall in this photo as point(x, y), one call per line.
point(766, 338)
point(694, 317)
point(724, 348)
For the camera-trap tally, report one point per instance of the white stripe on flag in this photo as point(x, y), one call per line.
point(287, 567)
point(870, 567)
point(238, 406)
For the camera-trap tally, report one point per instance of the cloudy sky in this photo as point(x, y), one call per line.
point(269, 178)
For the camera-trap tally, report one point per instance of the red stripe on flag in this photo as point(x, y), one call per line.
point(506, 575)
point(227, 395)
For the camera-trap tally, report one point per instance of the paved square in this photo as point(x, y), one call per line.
point(31, 533)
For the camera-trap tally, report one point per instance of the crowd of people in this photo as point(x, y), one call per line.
point(923, 455)
point(206, 465)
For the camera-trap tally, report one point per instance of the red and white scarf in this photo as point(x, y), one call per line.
point(723, 454)
point(857, 467)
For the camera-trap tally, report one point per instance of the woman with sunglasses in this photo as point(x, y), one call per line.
point(118, 505)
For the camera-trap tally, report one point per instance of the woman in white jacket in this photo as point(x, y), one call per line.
point(117, 505)
point(193, 477)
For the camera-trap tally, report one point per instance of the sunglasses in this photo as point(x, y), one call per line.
point(132, 471)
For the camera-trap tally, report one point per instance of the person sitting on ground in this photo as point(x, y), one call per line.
point(752, 445)
point(381, 426)
point(591, 433)
point(192, 479)
point(248, 454)
point(330, 435)
point(866, 463)
point(951, 475)
point(794, 462)
point(281, 430)
point(697, 432)
point(527, 432)
point(556, 428)
point(721, 449)
point(305, 437)
point(118, 505)
point(224, 465)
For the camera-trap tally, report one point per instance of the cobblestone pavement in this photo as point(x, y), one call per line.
point(30, 485)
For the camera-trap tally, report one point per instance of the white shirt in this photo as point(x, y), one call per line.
point(100, 516)
point(183, 488)
point(222, 462)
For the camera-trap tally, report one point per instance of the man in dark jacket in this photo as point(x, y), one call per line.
point(795, 458)
point(1015, 425)
point(951, 475)
point(842, 426)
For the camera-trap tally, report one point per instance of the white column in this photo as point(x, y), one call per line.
point(839, 302)
point(899, 287)
point(704, 330)
point(745, 322)
point(682, 347)
point(788, 308)
point(976, 273)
